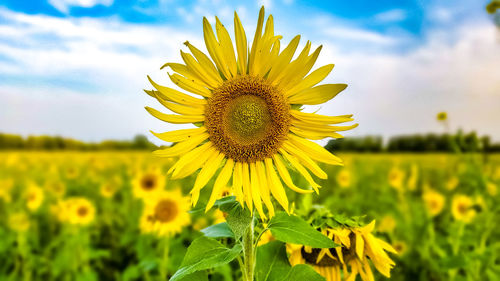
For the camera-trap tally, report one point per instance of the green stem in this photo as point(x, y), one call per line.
point(248, 253)
point(164, 261)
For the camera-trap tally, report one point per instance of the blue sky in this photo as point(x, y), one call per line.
point(77, 67)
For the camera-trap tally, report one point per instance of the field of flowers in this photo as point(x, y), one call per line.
point(88, 215)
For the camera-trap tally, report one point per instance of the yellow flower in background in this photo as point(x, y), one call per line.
point(491, 188)
point(110, 187)
point(442, 116)
point(452, 183)
point(5, 189)
point(344, 178)
point(462, 208)
point(400, 246)
point(55, 187)
point(248, 115)
point(34, 197)
point(413, 178)
point(19, 222)
point(434, 201)
point(148, 183)
point(72, 172)
point(80, 211)
point(358, 247)
point(165, 214)
point(396, 178)
point(387, 224)
point(219, 216)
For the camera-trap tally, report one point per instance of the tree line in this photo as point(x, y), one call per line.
point(464, 142)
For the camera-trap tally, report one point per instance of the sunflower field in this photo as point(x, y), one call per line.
point(87, 216)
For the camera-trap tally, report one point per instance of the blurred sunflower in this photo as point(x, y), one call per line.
point(413, 178)
point(148, 183)
point(396, 178)
point(5, 188)
point(165, 214)
point(400, 246)
point(34, 197)
point(462, 208)
point(80, 211)
point(452, 183)
point(344, 178)
point(491, 188)
point(55, 187)
point(19, 222)
point(358, 246)
point(442, 116)
point(249, 118)
point(110, 187)
point(387, 224)
point(434, 202)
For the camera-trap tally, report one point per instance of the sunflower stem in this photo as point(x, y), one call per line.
point(249, 253)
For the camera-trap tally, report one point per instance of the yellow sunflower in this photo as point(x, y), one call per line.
point(148, 183)
point(442, 116)
point(400, 246)
point(55, 187)
point(165, 214)
point(249, 119)
point(358, 246)
point(396, 178)
point(452, 183)
point(34, 197)
point(80, 211)
point(344, 178)
point(434, 201)
point(5, 188)
point(462, 208)
point(387, 224)
point(110, 187)
point(19, 222)
point(491, 188)
point(413, 178)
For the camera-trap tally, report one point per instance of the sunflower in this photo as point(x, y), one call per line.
point(55, 187)
point(387, 224)
point(491, 188)
point(396, 178)
point(19, 222)
point(442, 116)
point(462, 208)
point(110, 187)
point(400, 247)
point(34, 197)
point(413, 178)
point(165, 214)
point(344, 178)
point(434, 201)
point(148, 183)
point(358, 246)
point(80, 211)
point(249, 119)
point(452, 183)
point(5, 188)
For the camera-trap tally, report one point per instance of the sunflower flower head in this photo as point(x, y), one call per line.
point(148, 183)
point(34, 196)
point(434, 201)
point(442, 116)
point(246, 106)
point(19, 222)
point(462, 208)
point(80, 211)
point(358, 249)
point(165, 214)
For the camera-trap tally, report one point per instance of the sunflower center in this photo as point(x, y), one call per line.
point(148, 182)
point(462, 208)
point(82, 211)
point(312, 257)
point(166, 210)
point(247, 118)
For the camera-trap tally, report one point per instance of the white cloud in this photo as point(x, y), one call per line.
point(64, 5)
point(395, 15)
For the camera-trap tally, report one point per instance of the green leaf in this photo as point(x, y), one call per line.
point(302, 272)
point(292, 229)
point(205, 253)
point(218, 231)
point(237, 218)
point(272, 262)
point(196, 276)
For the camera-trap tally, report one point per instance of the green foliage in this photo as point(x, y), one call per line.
point(272, 262)
point(237, 218)
point(205, 253)
point(292, 229)
point(219, 230)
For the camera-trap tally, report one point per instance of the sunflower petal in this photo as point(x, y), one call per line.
point(283, 59)
point(220, 183)
point(255, 189)
point(182, 147)
point(176, 96)
point(192, 161)
point(175, 119)
point(305, 160)
point(180, 135)
point(256, 39)
point(205, 62)
point(315, 151)
point(199, 70)
point(226, 46)
point(214, 48)
point(179, 108)
point(206, 173)
point(320, 119)
point(283, 172)
point(317, 95)
point(264, 187)
point(241, 44)
point(295, 163)
point(247, 188)
point(238, 183)
point(314, 135)
point(312, 79)
point(190, 85)
point(275, 185)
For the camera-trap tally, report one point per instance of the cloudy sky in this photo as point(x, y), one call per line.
point(77, 67)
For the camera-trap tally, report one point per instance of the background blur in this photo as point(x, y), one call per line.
point(424, 85)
